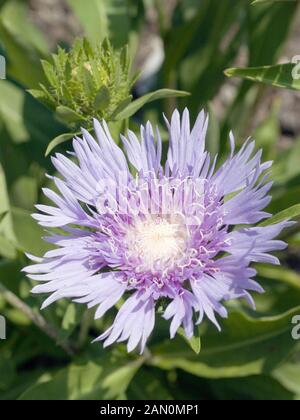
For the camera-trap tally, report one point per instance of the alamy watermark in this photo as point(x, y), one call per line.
point(152, 196)
point(2, 67)
point(2, 328)
point(296, 69)
point(296, 329)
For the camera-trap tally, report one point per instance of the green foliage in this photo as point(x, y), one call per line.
point(150, 97)
point(194, 342)
point(106, 19)
point(288, 214)
point(264, 1)
point(91, 81)
point(254, 357)
point(106, 379)
point(86, 81)
point(280, 75)
point(24, 44)
point(247, 346)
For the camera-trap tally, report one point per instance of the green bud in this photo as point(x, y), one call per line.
point(86, 82)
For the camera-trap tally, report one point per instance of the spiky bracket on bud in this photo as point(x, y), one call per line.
point(89, 82)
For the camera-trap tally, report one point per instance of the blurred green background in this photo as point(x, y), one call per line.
point(177, 44)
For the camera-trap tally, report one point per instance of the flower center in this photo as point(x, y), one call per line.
point(157, 242)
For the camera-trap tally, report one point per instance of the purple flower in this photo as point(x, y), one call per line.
point(133, 228)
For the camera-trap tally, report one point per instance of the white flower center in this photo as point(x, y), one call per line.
point(157, 242)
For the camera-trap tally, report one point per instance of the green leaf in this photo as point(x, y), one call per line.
point(257, 388)
point(16, 18)
point(287, 167)
point(11, 111)
point(194, 342)
point(148, 385)
point(265, 46)
point(287, 214)
point(107, 378)
point(198, 66)
point(50, 73)
point(28, 232)
point(6, 227)
point(24, 379)
point(289, 376)
point(153, 96)
point(279, 273)
point(4, 203)
point(2, 215)
point(57, 141)
point(71, 319)
point(24, 118)
point(270, 1)
point(120, 108)
point(101, 19)
point(67, 115)
point(24, 192)
point(7, 372)
point(93, 18)
point(281, 75)
point(213, 133)
point(23, 42)
point(10, 275)
point(102, 98)
point(267, 134)
point(246, 346)
point(42, 96)
point(7, 248)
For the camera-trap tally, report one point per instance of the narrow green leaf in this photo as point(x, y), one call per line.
point(23, 42)
point(49, 72)
point(7, 249)
point(28, 233)
point(15, 18)
point(71, 319)
point(107, 378)
point(289, 376)
point(19, 115)
point(153, 96)
point(279, 273)
point(7, 372)
point(92, 15)
point(246, 346)
point(41, 96)
point(194, 342)
point(67, 115)
point(252, 388)
point(287, 214)
point(100, 19)
point(102, 99)
point(213, 133)
point(120, 108)
point(2, 215)
point(6, 227)
point(57, 141)
point(88, 82)
point(37, 94)
point(267, 134)
point(281, 75)
point(270, 1)
point(11, 111)
point(147, 385)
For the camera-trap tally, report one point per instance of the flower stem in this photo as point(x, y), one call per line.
point(87, 320)
point(37, 319)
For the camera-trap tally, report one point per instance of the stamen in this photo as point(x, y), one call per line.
point(157, 242)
